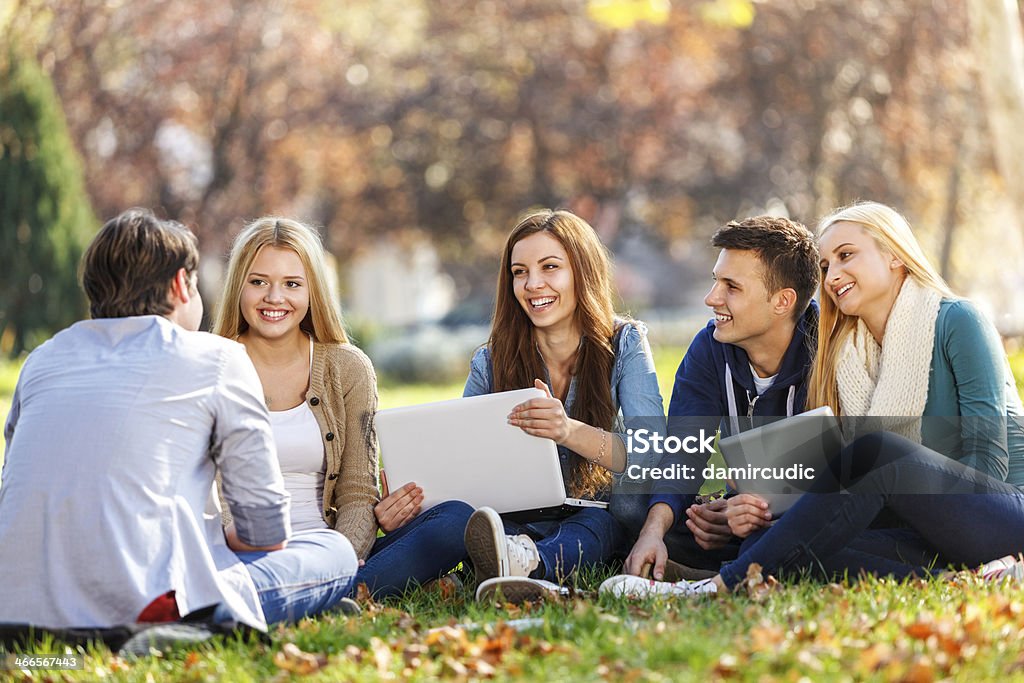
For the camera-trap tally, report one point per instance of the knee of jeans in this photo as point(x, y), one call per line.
point(872, 452)
point(593, 516)
point(337, 551)
point(456, 510)
point(602, 524)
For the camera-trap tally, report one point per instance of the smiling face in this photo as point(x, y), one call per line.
point(744, 310)
point(860, 277)
point(275, 296)
point(542, 281)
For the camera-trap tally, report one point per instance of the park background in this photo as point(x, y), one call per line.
point(412, 132)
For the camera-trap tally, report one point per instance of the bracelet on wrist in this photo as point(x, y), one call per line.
point(604, 443)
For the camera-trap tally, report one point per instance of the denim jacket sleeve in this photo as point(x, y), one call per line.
point(635, 384)
point(481, 376)
point(696, 399)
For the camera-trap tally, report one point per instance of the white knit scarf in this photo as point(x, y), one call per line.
point(891, 380)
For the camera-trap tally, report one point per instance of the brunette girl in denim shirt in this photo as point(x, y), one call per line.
point(554, 328)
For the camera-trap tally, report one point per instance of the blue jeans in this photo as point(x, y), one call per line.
point(429, 546)
point(588, 538)
point(953, 513)
point(310, 575)
point(631, 511)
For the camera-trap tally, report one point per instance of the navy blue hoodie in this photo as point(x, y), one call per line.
point(714, 388)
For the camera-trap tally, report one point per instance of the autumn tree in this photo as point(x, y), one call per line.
point(45, 215)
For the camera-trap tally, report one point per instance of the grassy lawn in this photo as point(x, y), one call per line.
point(875, 629)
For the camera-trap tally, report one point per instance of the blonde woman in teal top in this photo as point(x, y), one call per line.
point(881, 301)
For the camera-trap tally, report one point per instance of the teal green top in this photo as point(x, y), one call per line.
point(971, 384)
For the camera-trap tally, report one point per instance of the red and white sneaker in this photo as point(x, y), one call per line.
point(1005, 568)
point(627, 586)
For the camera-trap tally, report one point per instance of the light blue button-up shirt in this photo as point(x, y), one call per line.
point(115, 431)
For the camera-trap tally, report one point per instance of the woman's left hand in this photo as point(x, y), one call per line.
point(544, 417)
point(397, 509)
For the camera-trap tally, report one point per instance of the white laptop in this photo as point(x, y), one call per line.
point(798, 443)
point(464, 449)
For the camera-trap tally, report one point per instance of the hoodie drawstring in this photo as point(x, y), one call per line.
point(751, 401)
point(731, 399)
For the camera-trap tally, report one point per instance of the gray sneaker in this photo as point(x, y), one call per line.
point(494, 553)
point(518, 589)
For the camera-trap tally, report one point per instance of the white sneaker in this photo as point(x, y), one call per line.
point(518, 589)
point(493, 553)
point(1009, 567)
point(629, 586)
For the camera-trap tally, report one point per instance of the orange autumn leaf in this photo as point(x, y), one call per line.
point(920, 630)
point(766, 638)
point(921, 671)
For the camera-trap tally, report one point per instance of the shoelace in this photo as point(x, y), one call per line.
point(519, 551)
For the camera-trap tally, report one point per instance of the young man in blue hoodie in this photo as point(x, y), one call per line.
point(751, 361)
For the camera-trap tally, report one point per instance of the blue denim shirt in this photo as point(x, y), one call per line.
point(634, 389)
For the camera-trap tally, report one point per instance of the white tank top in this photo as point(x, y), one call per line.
point(301, 454)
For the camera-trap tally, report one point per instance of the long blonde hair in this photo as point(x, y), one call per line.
point(323, 320)
point(513, 345)
point(893, 234)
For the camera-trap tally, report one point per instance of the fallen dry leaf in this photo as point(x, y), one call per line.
point(291, 658)
point(727, 666)
point(874, 657)
point(921, 671)
point(920, 630)
point(382, 655)
point(766, 638)
point(757, 587)
point(365, 599)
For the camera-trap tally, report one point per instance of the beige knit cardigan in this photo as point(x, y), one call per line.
point(343, 397)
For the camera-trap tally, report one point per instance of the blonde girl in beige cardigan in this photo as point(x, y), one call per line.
point(321, 392)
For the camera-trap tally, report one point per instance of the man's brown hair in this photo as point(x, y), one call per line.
point(786, 249)
point(129, 265)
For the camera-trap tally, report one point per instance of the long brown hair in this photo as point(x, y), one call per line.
point(513, 344)
point(893, 234)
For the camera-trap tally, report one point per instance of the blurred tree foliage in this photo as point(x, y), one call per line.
point(451, 116)
point(45, 215)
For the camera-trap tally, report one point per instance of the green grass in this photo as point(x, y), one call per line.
point(1017, 365)
point(877, 629)
point(8, 379)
